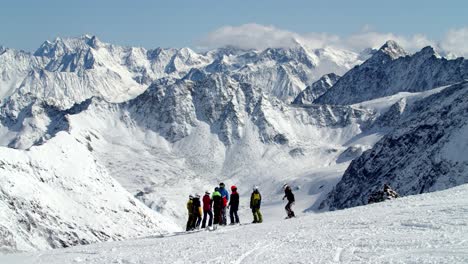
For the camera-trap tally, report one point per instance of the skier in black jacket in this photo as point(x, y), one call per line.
point(288, 194)
point(234, 206)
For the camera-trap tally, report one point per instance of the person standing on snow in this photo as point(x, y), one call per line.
point(190, 213)
point(234, 206)
point(217, 206)
point(225, 196)
point(255, 202)
point(197, 211)
point(290, 196)
point(207, 202)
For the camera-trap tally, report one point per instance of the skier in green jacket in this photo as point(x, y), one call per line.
point(217, 206)
point(255, 202)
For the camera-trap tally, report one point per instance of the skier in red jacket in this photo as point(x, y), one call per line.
point(207, 209)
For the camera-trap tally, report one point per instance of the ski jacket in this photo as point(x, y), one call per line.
point(217, 200)
point(207, 203)
point(190, 206)
point(288, 194)
point(255, 200)
point(225, 195)
point(196, 206)
point(234, 202)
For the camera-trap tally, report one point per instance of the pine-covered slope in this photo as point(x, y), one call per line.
point(391, 70)
point(427, 152)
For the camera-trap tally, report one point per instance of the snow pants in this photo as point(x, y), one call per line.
point(223, 216)
point(217, 216)
point(205, 214)
point(233, 215)
point(196, 221)
point(257, 215)
point(189, 222)
point(289, 210)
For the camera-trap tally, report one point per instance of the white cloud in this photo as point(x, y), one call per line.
point(456, 42)
point(249, 36)
point(256, 36)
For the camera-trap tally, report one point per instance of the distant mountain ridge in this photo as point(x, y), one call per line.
point(391, 70)
point(71, 70)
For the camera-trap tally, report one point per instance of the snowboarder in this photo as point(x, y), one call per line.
point(207, 202)
point(234, 206)
point(225, 196)
point(379, 196)
point(197, 211)
point(290, 196)
point(217, 206)
point(190, 213)
point(255, 202)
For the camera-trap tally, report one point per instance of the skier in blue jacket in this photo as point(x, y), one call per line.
point(225, 196)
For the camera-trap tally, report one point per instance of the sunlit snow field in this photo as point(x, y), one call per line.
point(428, 228)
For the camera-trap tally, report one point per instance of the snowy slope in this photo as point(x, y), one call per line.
point(426, 152)
point(57, 195)
point(390, 70)
point(428, 228)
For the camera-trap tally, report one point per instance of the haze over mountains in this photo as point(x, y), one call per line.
point(86, 124)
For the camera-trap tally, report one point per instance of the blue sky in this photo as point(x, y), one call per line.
point(27, 23)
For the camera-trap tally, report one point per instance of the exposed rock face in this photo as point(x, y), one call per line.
point(390, 70)
point(428, 152)
point(318, 88)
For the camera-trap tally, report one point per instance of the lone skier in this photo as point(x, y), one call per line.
point(207, 202)
point(255, 202)
point(290, 196)
point(225, 196)
point(190, 213)
point(234, 206)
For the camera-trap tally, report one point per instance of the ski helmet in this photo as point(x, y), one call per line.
point(216, 189)
point(207, 192)
point(197, 195)
point(255, 188)
point(285, 186)
point(190, 196)
point(233, 188)
point(221, 185)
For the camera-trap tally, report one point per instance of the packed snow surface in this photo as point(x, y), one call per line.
point(427, 228)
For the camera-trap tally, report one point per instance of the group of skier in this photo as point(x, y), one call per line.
point(215, 205)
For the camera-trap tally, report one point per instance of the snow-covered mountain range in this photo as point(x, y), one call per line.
point(158, 125)
point(391, 70)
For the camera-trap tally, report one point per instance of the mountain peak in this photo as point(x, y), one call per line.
point(64, 45)
point(392, 49)
point(428, 51)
